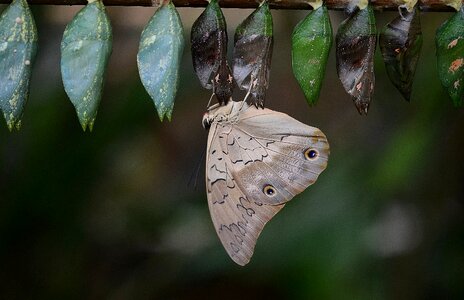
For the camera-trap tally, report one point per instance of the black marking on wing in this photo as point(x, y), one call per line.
point(218, 179)
point(245, 148)
point(215, 167)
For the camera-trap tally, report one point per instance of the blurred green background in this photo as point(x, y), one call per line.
point(110, 215)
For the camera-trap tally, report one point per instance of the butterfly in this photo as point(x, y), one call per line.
point(257, 160)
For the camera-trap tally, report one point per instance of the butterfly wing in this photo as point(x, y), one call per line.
point(253, 168)
point(237, 219)
point(271, 150)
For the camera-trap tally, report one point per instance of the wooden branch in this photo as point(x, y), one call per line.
point(425, 5)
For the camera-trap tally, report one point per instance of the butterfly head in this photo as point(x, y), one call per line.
point(221, 113)
point(207, 120)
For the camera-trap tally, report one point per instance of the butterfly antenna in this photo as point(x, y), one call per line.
point(194, 176)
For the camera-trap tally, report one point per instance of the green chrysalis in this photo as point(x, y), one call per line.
point(85, 50)
point(311, 43)
point(252, 53)
point(18, 47)
point(450, 56)
point(159, 57)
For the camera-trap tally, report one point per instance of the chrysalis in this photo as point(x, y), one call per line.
point(209, 52)
point(252, 53)
point(400, 43)
point(450, 56)
point(85, 50)
point(311, 43)
point(18, 47)
point(355, 48)
point(159, 57)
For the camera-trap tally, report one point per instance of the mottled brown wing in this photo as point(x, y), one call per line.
point(253, 168)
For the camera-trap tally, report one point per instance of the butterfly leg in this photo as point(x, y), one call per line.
point(400, 10)
point(212, 95)
point(248, 93)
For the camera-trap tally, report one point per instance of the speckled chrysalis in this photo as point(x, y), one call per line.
point(450, 55)
point(209, 52)
point(355, 47)
point(400, 43)
point(85, 50)
point(18, 47)
point(159, 57)
point(252, 53)
point(311, 43)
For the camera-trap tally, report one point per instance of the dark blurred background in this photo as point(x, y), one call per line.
point(110, 215)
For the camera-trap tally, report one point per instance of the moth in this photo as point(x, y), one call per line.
point(257, 160)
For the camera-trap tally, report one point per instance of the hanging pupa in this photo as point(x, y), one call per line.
point(253, 52)
point(450, 54)
point(159, 57)
point(85, 50)
point(18, 47)
point(355, 48)
point(400, 43)
point(209, 52)
point(311, 43)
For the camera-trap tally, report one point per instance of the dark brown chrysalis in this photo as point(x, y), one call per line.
point(400, 43)
point(209, 52)
point(355, 47)
point(252, 53)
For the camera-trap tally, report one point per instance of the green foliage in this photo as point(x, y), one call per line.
point(85, 50)
point(18, 47)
